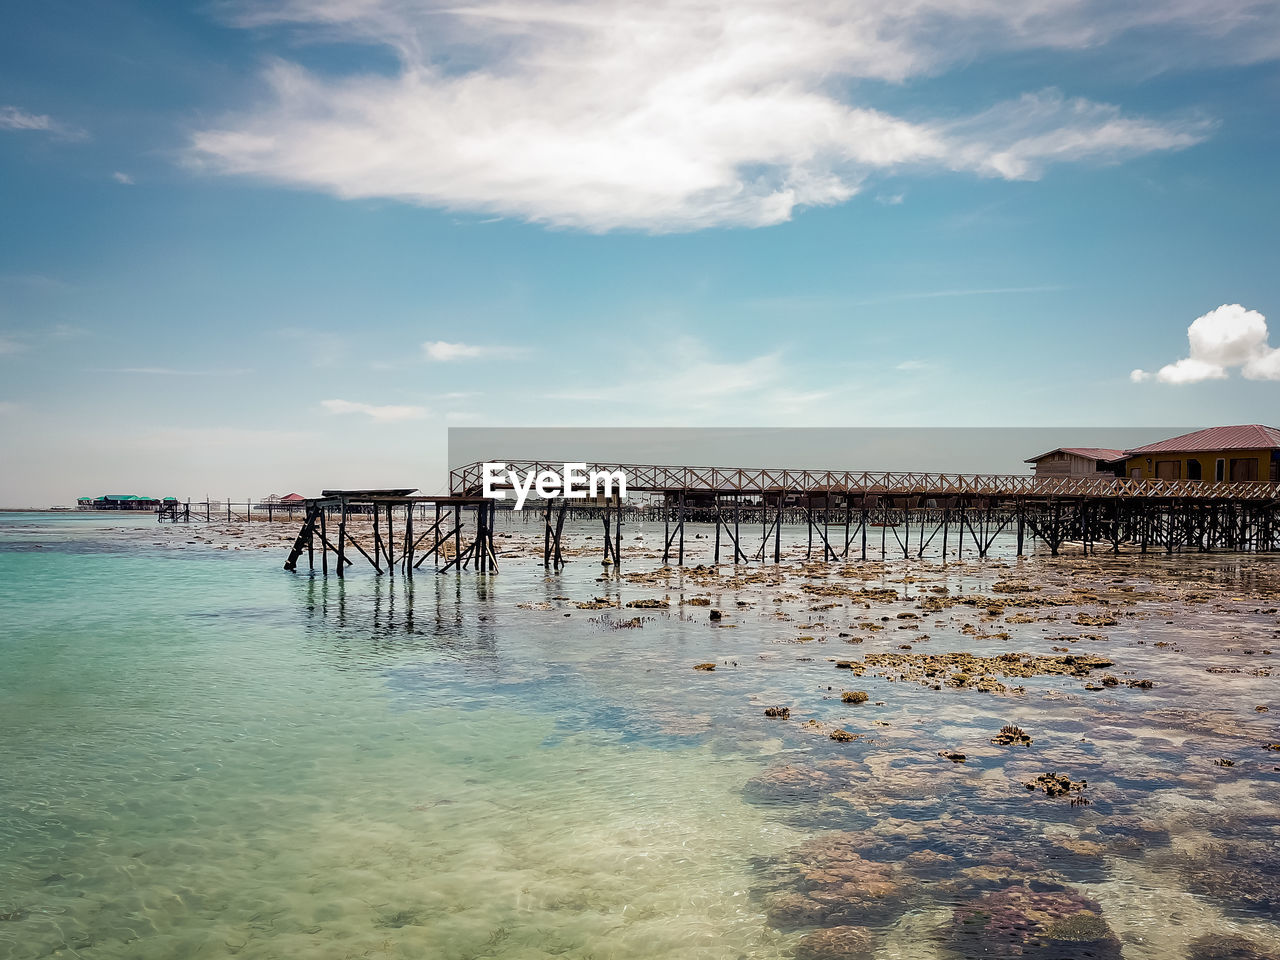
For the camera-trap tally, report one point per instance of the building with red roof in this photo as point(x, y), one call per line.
point(1238, 454)
point(1077, 462)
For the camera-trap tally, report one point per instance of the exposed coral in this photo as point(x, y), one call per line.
point(836, 943)
point(1034, 924)
point(1011, 735)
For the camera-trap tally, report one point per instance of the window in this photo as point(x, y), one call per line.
point(1135, 473)
point(1168, 469)
point(1193, 470)
point(1244, 469)
point(1220, 470)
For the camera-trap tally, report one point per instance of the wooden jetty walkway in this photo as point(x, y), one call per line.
point(917, 513)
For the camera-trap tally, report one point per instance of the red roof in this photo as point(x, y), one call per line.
point(1251, 436)
point(1089, 453)
point(292, 498)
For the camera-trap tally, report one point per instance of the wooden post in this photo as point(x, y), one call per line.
point(608, 534)
point(564, 507)
point(680, 561)
point(777, 528)
point(547, 535)
point(342, 540)
point(436, 538)
point(715, 500)
point(408, 541)
point(666, 528)
point(737, 533)
point(457, 535)
point(764, 525)
point(324, 548)
point(390, 541)
point(377, 538)
point(617, 536)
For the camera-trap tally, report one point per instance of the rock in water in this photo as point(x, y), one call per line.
point(1213, 946)
point(836, 943)
point(1033, 925)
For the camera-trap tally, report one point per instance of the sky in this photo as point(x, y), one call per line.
point(253, 248)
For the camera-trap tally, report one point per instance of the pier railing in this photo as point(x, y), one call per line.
point(468, 480)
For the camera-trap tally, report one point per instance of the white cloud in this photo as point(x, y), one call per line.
point(1221, 340)
point(389, 413)
point(909, 365)
point(9, 345)
point(667, 115)
point(1017, 139)
point(124, 178)
point(18, 120)
point(442, 351)
point(8, 408)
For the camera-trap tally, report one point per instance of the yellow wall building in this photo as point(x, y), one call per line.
point(1232, 454)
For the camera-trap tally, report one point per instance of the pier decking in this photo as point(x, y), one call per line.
point(920, 514)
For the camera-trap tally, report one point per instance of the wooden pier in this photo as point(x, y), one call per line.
point(936, 515)
point(844, 509)
point(402, 549)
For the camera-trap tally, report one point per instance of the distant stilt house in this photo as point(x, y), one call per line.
point(119, 501)
point(1240, 454)
point(1078, 462)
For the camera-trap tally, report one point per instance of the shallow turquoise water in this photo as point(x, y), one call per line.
point(205, 756)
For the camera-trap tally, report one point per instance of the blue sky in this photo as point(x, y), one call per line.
point(234, 237)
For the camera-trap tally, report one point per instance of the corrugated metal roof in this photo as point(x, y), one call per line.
point(1250, 436)
point(1089, 453)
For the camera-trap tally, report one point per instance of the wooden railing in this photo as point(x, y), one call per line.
point(468, 480)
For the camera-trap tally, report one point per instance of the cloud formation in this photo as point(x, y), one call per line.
point(442, 351)
point(18, 120)
point(388, 413)
point(1222, 340)
point(668, 115)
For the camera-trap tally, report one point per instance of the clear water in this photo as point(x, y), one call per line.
point(203, 755)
